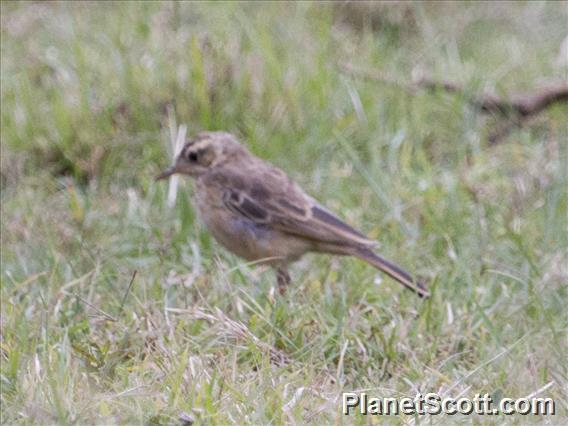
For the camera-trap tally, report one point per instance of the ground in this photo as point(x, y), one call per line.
point(118, 309)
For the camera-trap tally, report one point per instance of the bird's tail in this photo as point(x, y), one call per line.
point(392, 270)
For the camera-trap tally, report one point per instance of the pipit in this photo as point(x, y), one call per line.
point(257, 212)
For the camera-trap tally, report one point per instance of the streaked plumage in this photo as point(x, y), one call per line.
point(256, 211)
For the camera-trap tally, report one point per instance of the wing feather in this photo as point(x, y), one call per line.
point(274, 200)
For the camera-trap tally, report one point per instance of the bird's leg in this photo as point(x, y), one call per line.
point(283, 278)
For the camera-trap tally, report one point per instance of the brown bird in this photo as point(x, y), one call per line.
point(257, 212)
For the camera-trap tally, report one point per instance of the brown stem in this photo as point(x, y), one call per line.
point(520, 104)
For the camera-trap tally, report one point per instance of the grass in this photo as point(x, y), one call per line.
point(86, 90)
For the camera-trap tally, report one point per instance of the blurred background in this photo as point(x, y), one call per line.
point(379, 110)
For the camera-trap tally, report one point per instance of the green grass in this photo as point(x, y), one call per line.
point(86, 90)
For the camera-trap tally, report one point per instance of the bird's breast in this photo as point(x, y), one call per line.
point(242, 236)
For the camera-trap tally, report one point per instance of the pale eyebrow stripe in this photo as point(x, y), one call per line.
point(197, 145)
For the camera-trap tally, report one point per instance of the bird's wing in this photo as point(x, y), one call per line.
point(270, 198)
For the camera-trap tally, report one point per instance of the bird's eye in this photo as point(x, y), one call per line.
point(192, 157)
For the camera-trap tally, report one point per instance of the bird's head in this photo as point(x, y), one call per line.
point(204, 152)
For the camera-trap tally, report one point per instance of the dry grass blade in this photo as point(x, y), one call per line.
point(177, 138)
point(127, 291)
point(89, 304)
point(234, 330)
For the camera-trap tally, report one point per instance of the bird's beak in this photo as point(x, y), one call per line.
point(166, 173)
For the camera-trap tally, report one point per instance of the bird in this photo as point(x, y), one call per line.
point(256, 211)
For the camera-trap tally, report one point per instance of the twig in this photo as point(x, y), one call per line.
point(528, 104)
point(518, 108)
point(521, 104)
